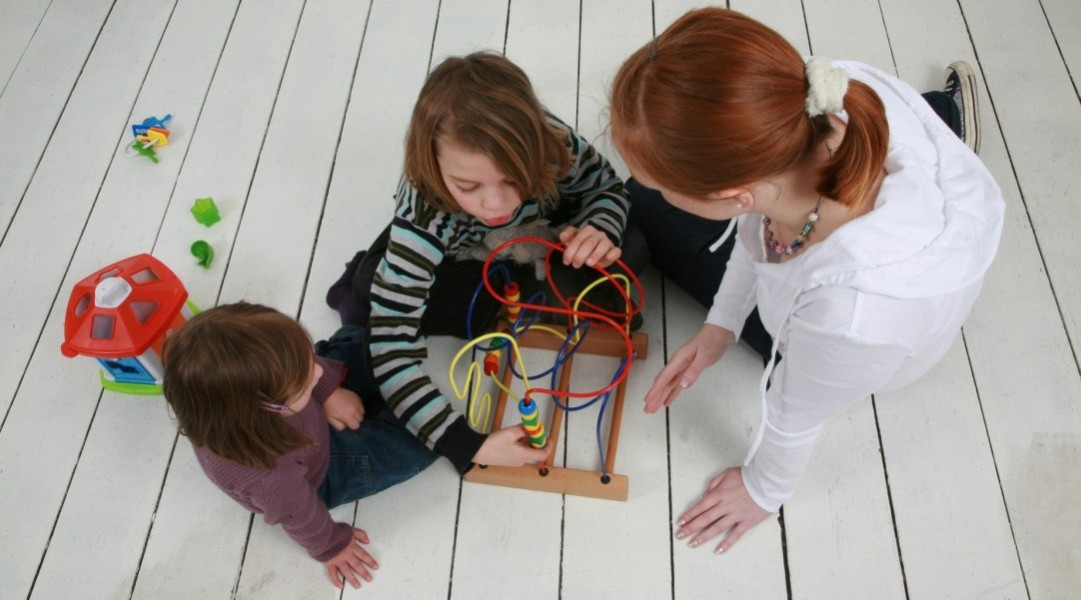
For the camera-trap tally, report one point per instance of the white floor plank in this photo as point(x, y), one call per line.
point(31, 104)
point(272, 250)
point(44, 421)
point(1026, 371)
point(534, 27)
point(838, 527)
point(859, 35)
point(197, 540)
point(135, 194)
point(1024, 70)
point(284, 207)
point(368, 165)
point(63, 191)
point(100, 534)
point(710, 427)
point(1064, 17)
point(596, 563)
point(220, 163)
point(952, 525)
point(954, 532)
point(621, 549)
point(19, 20)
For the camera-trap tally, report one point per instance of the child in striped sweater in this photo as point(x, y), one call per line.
point(482, 155)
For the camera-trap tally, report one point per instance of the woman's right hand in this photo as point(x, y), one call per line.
point(704, 349)
point(508, 448)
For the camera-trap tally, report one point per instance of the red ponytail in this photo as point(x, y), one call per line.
point(718, 101)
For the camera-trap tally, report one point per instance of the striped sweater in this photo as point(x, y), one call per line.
point(421, 237)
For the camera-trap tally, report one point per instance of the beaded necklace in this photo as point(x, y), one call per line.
point(797, 244)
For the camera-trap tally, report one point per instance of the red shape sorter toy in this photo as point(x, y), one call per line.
point(120, 315)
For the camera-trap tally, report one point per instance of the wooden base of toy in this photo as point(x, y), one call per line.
point(562, 480)
point(574, 482)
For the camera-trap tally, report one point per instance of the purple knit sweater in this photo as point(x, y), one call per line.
point(286, 494)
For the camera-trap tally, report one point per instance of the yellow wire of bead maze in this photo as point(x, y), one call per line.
point(599, 484)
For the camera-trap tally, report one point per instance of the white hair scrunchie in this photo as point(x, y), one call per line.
point(826, 88)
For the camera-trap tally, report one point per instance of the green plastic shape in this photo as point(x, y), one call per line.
point(131, 389)
point(203, 252)
point(147, 151)
point(205, 211)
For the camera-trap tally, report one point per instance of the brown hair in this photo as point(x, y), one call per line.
point(718, 101)
point(485, 103)
point(221, 367)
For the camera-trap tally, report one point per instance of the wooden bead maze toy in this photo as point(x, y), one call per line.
point(595, 331)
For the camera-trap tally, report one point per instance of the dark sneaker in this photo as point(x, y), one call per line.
point(341, 298)
point(961, 88)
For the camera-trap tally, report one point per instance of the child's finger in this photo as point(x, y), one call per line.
point(336, 423)
point(358, 564)
point(361, 536)
point(610, 257)
point(335, 576)
point(600, 251)
point(352, 578)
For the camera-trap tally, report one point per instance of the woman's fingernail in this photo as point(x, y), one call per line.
point(719, 550)
point(694, 543)
point(684, 384)
point(681, 522)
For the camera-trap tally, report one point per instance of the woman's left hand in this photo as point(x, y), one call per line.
point(588, 246)
point(726, 506)
point(343, 409)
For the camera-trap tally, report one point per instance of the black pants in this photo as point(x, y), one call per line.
point(448, 305)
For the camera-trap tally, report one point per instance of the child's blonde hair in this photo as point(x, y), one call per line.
point(485, 103)
point(220, 369)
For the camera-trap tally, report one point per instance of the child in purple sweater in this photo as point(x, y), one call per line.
point(285, 431)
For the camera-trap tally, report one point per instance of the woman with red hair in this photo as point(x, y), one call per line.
point(865, 227)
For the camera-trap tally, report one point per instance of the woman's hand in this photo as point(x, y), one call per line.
point(704, 349)
point(343, 409)
point(507, 448)
point(588, 246)
point(351, 561)
point(726, 506)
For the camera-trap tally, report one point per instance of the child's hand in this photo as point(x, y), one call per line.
point(588, 246)
point(343, 409)
point(351, 561)
point(726, 506)
point(506, 448)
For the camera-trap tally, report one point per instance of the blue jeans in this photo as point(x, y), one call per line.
point(368, 460)
point(382, 452)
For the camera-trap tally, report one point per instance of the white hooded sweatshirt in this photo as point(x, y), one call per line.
point(876, 304)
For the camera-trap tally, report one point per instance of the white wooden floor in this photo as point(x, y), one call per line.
point(291, 115)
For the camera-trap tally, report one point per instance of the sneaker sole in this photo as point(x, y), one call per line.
point(972, 104)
